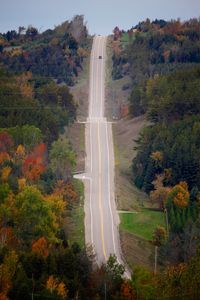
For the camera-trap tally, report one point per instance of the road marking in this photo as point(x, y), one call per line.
point(100, 196)
point(111, 213)
point(91, 188)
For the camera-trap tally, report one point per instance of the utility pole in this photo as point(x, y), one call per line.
point(156, 259)
point(32, 287)
point(167, 221)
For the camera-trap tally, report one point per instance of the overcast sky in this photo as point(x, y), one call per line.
point(101, 15)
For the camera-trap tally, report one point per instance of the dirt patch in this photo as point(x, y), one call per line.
point(137, 251)
point(125, 132)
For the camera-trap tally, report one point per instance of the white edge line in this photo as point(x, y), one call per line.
point(91, 79)
point(114, 246)
point(91, 187)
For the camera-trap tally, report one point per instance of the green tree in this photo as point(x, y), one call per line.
point(143, 283)
point(34, 217)
point(62, 158)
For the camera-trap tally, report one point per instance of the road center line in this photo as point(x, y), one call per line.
point(100, 195)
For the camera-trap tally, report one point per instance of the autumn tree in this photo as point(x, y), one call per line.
point(57, 206)
point(7, 238)
point(177, 205)
point(127, 291)
point(7, 272)
point(54, 286)
point(40, 247)
point(25, 87)
point(4, 156)
point(6, 204)
point(160, 192)
point(34, 163)
point(20, 152)
point(5, 172)
point(159, 236)
point(66, 190)
point(6, 142)
point(117, 33)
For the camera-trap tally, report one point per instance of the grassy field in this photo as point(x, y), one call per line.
point(143, 223)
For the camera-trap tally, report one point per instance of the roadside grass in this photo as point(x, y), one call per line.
point(80, 90)
point(115, 95)
point(128, 196)
point(74, 219)
point(143, 223)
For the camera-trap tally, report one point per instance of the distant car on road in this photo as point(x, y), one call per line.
point(100, 57)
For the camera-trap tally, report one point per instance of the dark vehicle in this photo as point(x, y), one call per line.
point(100, 57)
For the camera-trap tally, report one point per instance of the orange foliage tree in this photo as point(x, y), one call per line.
point(54, 286)
point(127, 291)
point(7, 272)
point(66, 190)
point(179, 195)
point(40, 247)
point(34, 163)
point(4, 156)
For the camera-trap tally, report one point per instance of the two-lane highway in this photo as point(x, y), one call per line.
point(101, 218)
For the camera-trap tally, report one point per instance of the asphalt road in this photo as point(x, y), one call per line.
point(101, 221)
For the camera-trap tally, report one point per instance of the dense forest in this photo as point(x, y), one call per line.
point(162, 60)
point(57, 53)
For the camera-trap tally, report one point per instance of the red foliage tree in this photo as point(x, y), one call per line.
point(6, 141)
point(34, 163)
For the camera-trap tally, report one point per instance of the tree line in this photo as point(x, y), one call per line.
point(57, 53)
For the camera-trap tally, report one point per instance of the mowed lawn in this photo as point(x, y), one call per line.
point(142, 223)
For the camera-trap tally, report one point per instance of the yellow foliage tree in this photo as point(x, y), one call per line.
point(5, 173)
point(61, 290)
point(51, 284)
point(21, 183)
point(20, 152)
point(25, 87)
point(54, 286)
point(58, 206)
point(157, 156)
point(7, 272)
